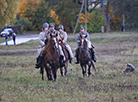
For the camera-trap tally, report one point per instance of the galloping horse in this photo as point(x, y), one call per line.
point(66, 53)
point(51, 58)
point(85, 56)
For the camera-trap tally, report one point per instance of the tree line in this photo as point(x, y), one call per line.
point(31, 14)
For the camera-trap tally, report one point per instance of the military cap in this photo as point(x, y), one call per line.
point(129, 64)
point(81, 27)
point(51, 25)
point(60, 27)
point(45, 25)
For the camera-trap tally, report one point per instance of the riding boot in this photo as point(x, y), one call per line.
point(93, 54)
point(39, 61)
point(77, 60)
point(62, 62)
point(77, 56)
point(70, 61)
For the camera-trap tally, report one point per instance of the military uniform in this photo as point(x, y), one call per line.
point(130, 69)
point(40, 50)
point(90, 46)
point(63, 35)
point(83, 34)
point(42, 38)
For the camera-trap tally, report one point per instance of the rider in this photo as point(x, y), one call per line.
point(53, 31)
point(63, 35)
point(42, 38)
point(90, 46)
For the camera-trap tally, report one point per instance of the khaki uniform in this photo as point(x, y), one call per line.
point(63, 35)
point(83, 34)
point(42, 38)
point(90, 46)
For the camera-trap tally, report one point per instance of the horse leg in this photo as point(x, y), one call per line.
point(42, 72)
point(83, 72)
point(52, 74)
point(66, 66)
point(55, 74)
point(61, 71)
point(94, 67)
point(89, 69)
point(48, 70)
point(86, 74)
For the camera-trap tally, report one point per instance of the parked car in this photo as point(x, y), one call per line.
point(7, 31)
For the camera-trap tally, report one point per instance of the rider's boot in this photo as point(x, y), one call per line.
point(70, 61)
point(77, 57)
point(39, 61)
point(93, 54)
point(77, 60)
point(61, 60)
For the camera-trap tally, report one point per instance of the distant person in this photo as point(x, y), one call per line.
point(122, 28)
point(6, 39)
point(130, 68)
point(14, 38)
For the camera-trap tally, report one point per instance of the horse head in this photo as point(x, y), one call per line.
point(83, 42)
point(54, 40)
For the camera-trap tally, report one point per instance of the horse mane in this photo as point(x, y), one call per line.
point(51, 36)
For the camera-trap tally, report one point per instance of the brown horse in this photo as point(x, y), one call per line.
point(51, 58)
point(85, 56)
point(66, 53)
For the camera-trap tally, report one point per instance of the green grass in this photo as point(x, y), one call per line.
point(21, 82)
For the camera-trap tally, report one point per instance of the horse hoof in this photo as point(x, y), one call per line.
point(86, 75)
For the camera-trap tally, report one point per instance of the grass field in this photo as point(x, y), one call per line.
point(21, 82)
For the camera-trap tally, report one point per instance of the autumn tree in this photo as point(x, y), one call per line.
point(127, 9)
point(67, 10)
point(8, 10)
point(108, 15)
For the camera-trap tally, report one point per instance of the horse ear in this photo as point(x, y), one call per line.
point(85, 36)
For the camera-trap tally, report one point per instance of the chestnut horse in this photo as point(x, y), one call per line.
point(85, 56)
point(66, 53)
point(51, 58)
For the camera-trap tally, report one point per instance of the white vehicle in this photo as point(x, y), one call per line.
point(7, 31)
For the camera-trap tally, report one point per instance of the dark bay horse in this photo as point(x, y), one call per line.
point(51, 58)
point(85, 56)
point(66, 53)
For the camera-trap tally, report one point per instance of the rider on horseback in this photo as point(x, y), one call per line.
point(90, 46)
point(43, 40)
point(62, 56)
point(63, 35)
